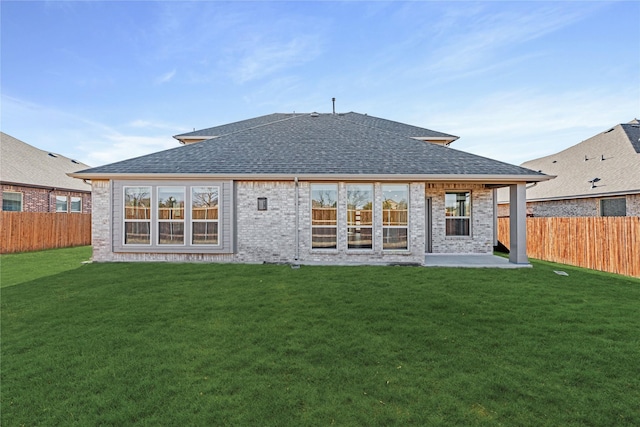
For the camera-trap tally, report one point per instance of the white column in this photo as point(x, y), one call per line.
point(518, 224)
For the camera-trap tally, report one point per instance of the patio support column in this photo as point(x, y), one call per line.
point(518, 224)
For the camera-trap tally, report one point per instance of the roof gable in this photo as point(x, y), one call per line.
point(315, 144)
point(21, 163)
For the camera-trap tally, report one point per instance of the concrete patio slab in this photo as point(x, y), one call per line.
point(470, 261)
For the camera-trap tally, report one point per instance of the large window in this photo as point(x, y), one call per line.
point(395, 216)
point(11, 202)
point(458, 213)
point(204, 215)
point(61, 204)
point(360, 216)
point(324, 216)
point(613, 207)
point(180, 217)
point(170, 215)
point(137, 215)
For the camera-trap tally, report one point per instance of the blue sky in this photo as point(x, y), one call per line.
point(105, 81)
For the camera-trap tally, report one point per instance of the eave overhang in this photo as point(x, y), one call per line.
point(493, 180)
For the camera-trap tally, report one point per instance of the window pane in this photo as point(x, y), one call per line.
point(11, 202)
point(394, 205)
point(324, 204)
point(137, 202)
point(457, 227)
point(359, 238)
point(324, 238)
point(171, 203)
point(61, 203)
point(76, 204)
point(359, 204)
point(171, 233)
point(204, 203)
point(137, 233)
point(613, 207)
point(205, 233)
point(458, 204)
point(394, 238)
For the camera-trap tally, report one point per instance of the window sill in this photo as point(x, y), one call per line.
point(458, 238)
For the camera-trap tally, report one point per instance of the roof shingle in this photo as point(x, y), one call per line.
point(313, 144)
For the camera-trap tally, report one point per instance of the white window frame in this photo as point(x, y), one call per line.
point(21, 200)
point(189, 233)
point(457, 217)
point(360, 226)
point(76, 199)
point(134, 220)
point(66, 204)
point(318, 226)
point(185, 231)
point(391, 227)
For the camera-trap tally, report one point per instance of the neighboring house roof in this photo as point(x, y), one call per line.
point(606, 164)
point(363, 119)
point(315, 146)
point(24, 164)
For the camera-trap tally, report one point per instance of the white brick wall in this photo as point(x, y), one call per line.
point(269, 236)
point(572, 207)
point(481, 239)
point(265, 236)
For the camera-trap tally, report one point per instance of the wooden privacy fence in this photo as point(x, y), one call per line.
point(609, 244)
point(34, 231)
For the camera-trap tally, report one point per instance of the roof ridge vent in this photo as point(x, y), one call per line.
point(314, 114)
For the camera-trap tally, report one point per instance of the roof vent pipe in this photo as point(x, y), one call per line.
point(334, 105)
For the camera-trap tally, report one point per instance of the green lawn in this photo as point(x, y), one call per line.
point(264, 345)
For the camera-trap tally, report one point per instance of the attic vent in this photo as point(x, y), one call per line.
point(314, 114)
point(75, 161)
point(52, 155)
point(593, 182)
point(555, 161)
point(609, 130)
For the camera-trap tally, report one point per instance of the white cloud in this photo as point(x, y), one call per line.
point(115, 147)
point(523, 125)
point(165, 78)
point(260, 58)
point(479, 36)
point(78, 137)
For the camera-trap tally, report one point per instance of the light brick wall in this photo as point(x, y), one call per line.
point(481, 239)
point(43, 199)
point(572, 207)
point(633, 205)
point(265, 236)
point(559, 208)
point(269, 236)
point(101, 220)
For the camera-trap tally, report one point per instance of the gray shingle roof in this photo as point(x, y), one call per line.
point(395, 127)
point(618, 173)
point(363, 119)
point(237, 126)
point(21, 163)
point(304, 144)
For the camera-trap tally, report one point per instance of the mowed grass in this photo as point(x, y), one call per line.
point(264, 345)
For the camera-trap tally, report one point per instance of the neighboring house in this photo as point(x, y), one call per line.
point(33, 180)
point(597, 177)
point(304, 188)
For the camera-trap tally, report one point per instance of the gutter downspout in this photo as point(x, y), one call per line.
point(297, 232)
